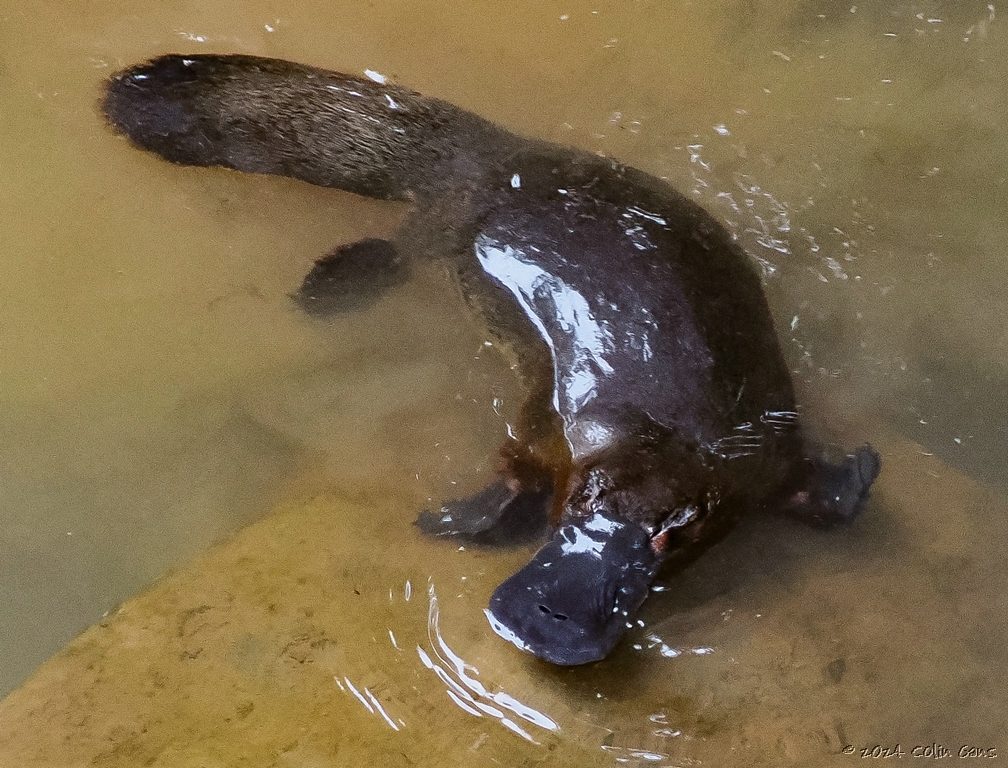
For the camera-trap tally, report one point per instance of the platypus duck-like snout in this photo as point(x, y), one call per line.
point(573, 601)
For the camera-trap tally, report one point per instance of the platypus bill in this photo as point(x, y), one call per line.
point(659, 409)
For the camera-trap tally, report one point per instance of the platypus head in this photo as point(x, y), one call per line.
point(630, 504)
point(573, 601)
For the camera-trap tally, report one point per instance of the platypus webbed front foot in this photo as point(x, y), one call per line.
point(574, 600)
point(838, 490)
point(499, 515)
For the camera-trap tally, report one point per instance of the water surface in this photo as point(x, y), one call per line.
point(160, 391)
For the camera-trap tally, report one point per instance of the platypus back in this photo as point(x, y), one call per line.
point(271, 116)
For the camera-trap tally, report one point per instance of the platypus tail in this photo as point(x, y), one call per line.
point(270, 116)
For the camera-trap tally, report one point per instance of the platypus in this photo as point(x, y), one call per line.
point(659, 407)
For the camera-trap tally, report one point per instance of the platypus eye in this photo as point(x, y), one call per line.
point(609, 601)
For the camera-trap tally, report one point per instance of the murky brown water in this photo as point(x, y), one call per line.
point(159, 390)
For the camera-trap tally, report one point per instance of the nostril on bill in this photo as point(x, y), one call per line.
point(544, 609)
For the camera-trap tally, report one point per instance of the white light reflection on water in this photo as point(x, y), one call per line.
point(765, 221)
point(653, 641)
point(660, 718)
point(468, 693)
point(626, 754)
point(369, 700)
